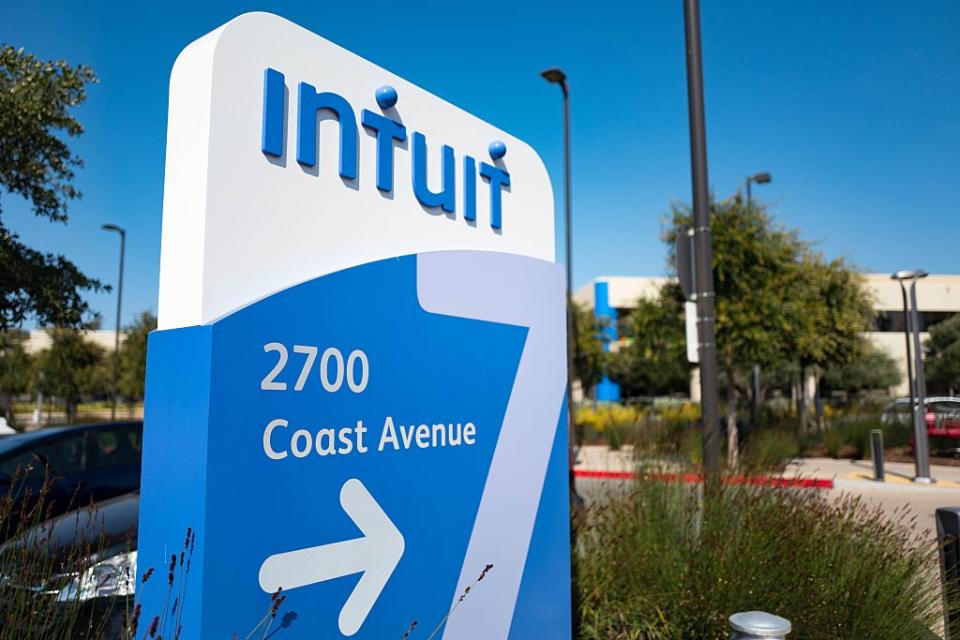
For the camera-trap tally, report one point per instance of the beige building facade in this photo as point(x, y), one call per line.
point(938, 298)
point(39, 339)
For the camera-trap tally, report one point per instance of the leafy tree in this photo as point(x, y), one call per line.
point(754, 265)
point(943, 356)
point(589, 358)
point(35, 163)
point(870, 368)
point(777, 300)
point(71, 367)
point(653, 359)
point(831, 310)
point(133, 356)
point(14, 369)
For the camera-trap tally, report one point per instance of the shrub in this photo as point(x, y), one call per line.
point(854, 436)
point(667, 560)
point(769, 450)
point(832, 441)
point(615, 423)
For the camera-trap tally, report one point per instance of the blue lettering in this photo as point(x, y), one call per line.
point(498, 179)
point(309, 104)
point(446, 198)
point(469, 189)
point(313, 106)
point(274, 114)
point(387, 131)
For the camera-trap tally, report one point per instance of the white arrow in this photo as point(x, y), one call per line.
point(375, 554)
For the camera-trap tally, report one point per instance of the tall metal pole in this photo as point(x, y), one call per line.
point(571, 328)
point(556, 76)
point(571, 346)
point(755, 400)
point(907, 332)
point(706, 315)
point(116, 337)
point(921, 448)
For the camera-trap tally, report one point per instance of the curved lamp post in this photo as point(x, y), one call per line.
point(116, 338)
point(558, 77)
point(918, 385)
point(763, 177)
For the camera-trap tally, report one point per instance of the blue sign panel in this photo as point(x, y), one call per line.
point(370, 442)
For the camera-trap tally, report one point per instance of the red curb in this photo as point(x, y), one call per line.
point(692, 478)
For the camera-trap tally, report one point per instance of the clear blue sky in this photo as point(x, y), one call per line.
point(853, 106)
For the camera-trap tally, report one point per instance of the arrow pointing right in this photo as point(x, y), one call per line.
point(375, 554)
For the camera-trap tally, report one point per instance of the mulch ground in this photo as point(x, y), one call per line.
point(903, 454)
point(892, 454)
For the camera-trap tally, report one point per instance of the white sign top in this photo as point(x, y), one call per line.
point(247, 213)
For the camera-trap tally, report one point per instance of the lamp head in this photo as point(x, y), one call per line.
point(555, 76)
point(909, 274)
point(761, 178)
point(113, 227)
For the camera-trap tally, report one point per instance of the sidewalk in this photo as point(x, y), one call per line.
point(850, 477)
point(850, 472)
point(855, 477)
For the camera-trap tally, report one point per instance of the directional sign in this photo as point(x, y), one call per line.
point(356, 394)
point(375, 555)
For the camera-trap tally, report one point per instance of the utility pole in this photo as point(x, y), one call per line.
point(706, 313)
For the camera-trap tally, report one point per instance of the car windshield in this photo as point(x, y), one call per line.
point(944, 406)
point(9, 443)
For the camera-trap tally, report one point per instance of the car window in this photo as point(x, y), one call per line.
point(111, 448)
point(65, 455)
point(22, 466)
point(944, 407)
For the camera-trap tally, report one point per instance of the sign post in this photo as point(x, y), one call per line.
point(356, 392)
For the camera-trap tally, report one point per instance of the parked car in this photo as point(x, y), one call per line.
point(89, 560)
point(71, 466)
point(942, 417)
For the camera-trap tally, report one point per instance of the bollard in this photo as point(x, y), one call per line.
point(948, 537)
point(751, 625)
point(876, 450)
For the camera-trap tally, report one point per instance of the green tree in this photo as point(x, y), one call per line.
point(589, 358)
point(652, 360)
point(755, 269)
point(15, 370)
point(133, 356)
point(828, 314)
point(71, 367)
point(869, 369)
point(943, 356)
point(777, 300)
point(36, 97)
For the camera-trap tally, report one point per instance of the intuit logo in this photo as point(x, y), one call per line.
point(311, 102)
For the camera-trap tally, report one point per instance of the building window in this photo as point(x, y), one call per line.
point(893, 321)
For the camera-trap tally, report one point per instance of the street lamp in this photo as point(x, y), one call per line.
point(763, 177)
point(759, 178)
point(918, 385)
point(116, 338)
point(556, 76)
